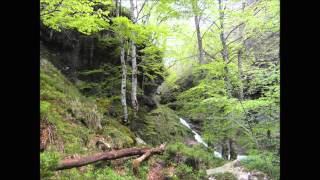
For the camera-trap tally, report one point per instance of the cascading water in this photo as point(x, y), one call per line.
point(196, 135)
point(199, 139)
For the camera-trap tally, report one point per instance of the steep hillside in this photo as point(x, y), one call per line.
point(73, 121)
point(157, 90)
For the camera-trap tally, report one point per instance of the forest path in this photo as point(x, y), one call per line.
point(237, 170)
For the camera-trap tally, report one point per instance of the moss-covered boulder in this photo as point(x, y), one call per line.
point(159, 126)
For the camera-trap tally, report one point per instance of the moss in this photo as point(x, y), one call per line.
point(120, 134)
point(73, 116)
point(69, 111)
point(93, 173)
point(195, 156)
point(159, 126)
point(90, 72)
point(104, 81)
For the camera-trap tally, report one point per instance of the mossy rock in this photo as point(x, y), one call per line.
point(159, 126)
point(71, 113)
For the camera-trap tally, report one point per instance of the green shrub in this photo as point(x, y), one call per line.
point(105, 173)
point(224, 176)
point(265, 162)
point(184, 171)
point(48, 161)
point(44, 109)
point(108, 173)
point(196, 153)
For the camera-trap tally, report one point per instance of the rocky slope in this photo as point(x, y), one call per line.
point(81, 110)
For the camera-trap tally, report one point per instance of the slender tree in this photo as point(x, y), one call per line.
point(134, 85)
point(240, 54)
point(124, 72)
point(197, 16)
point(240, 74)
point(224, 52)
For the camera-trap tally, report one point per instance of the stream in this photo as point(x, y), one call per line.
point(199, 139)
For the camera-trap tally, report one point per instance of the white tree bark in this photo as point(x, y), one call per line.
point(134, 68)
point(123, 85)
point(124, 73)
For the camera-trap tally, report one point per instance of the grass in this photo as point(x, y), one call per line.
point(74, 118)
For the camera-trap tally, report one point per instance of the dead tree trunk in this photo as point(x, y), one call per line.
point(115, 154)
point(136, 163)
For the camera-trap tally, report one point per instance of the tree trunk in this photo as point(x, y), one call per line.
point(200, 48)
point(240, 73)
point(115, 154)
point(124, 73)
point(136, 163)
point(134, 100)
point(91, 52)
point(225, 53)
point(123, 85)
point(117, 8)
point(225, 149)
point(225, 57)
point(233, 151)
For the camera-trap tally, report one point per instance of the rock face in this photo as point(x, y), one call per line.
point(235, 168)
point(94, 65)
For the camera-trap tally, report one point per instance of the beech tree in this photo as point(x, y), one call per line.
point(124, 71)
point(134, 85)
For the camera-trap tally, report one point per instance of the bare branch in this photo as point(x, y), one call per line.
point(236, 27)
point(144, 3)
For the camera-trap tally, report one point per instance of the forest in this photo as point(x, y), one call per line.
point(160, 89)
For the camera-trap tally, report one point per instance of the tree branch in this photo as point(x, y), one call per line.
point(236, 27)
point(114, 154)
point(144, 3)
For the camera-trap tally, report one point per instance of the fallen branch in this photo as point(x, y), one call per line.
point(136, 163)
point(114, 154)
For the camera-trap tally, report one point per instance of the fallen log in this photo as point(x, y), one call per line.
point(136, 163)
point(114, 154)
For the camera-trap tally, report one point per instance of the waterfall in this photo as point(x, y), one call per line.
point(199, 139)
